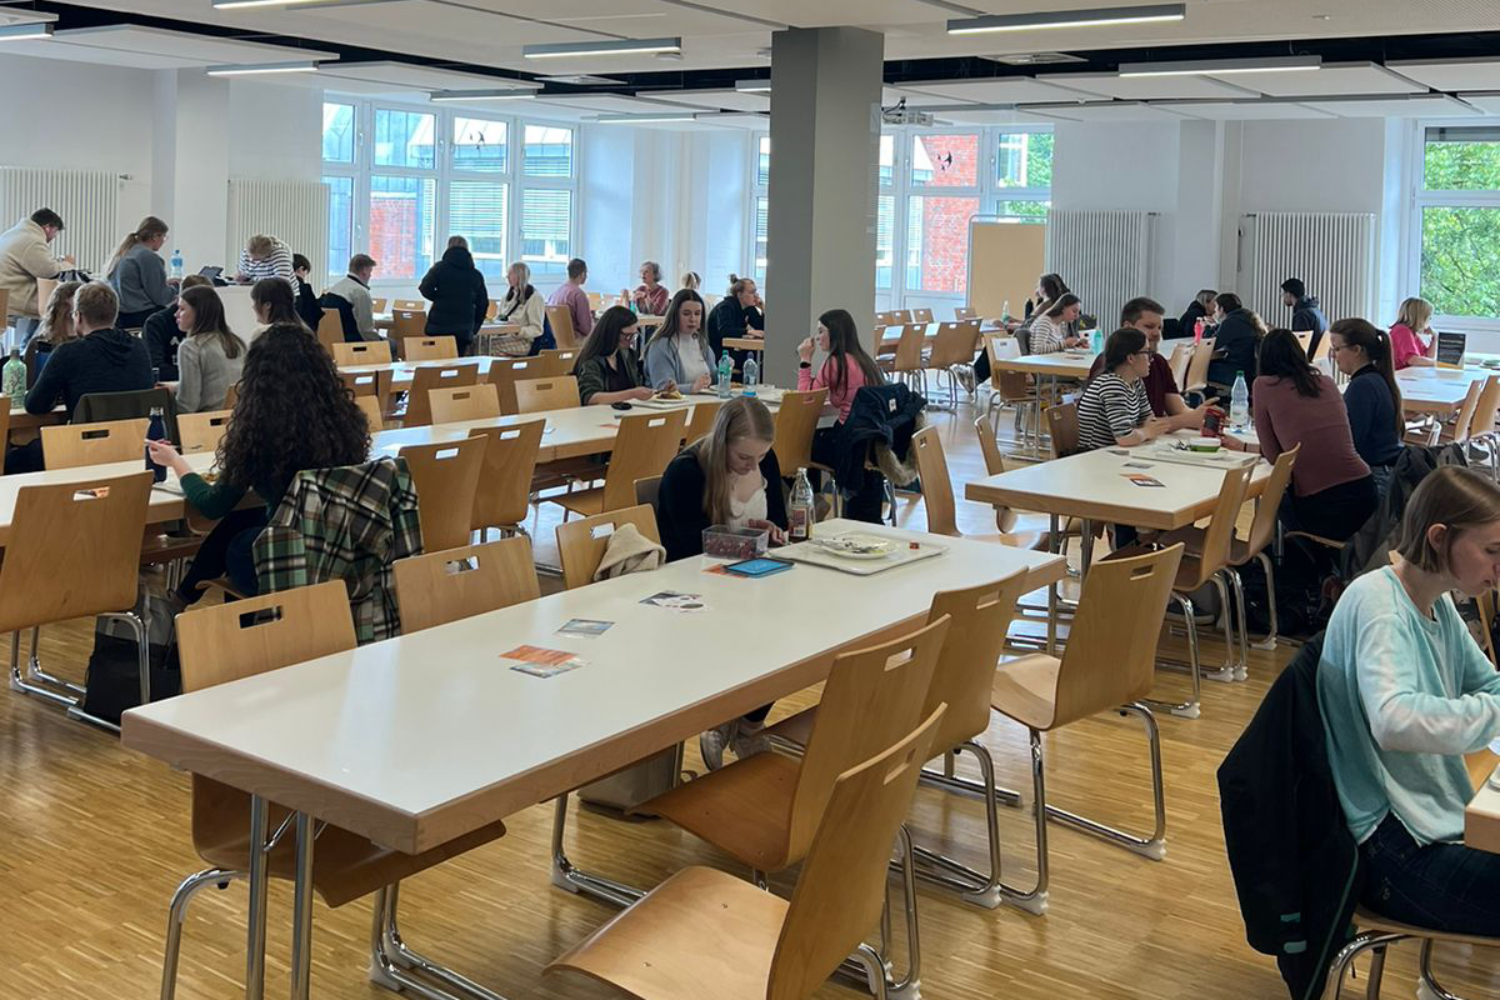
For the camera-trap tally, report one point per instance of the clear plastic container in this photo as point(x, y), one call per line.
point(723, 542)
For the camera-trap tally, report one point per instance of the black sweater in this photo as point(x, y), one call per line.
point(162, 339)
point(104, 361)
point(1238, 340)
point(730, 319)
point(456, 290)
point(680, 517)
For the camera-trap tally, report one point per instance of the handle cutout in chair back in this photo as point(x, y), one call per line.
point(364, 380)
point(453, 567)
point(900, 658)
point(443, 454)
point(656, 422)
point(450, 373)
point(462, 395)
point(96, 493)
point(509, 434)
point(1141, 572)
point(264, 616)
point(599, 531)
point(97, 434)
point(544, 386)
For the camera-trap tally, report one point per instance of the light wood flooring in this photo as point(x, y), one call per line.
point(94, 839)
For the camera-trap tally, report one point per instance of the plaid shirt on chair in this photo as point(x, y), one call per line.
point(349, 523)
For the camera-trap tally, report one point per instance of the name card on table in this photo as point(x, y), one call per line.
point(1450, 349)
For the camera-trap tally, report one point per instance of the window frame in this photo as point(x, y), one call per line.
point(1418, 199)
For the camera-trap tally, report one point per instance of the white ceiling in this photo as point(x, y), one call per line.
point(1150, 88)
point(1251, 110)
point(155, 48)
point(1333, 80)
point(1453, 74)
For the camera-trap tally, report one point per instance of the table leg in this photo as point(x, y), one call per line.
point(1054, 544)
point(255, 945)
point(1086, 547)
point(302, 910)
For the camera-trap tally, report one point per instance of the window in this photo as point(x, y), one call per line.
point(338, 133)
point(404, 139)
point(762, 227)
point(402, 223)
point(1458, 221)
point(340, 224)
point(479, 145)
point(885, 242)
point(549, 151)
point(945, 161)
point(477, 209)
point(546, 225)
point(763, 162)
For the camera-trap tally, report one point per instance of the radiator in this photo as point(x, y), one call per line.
point(296, 212)
point(88, 202)
point(1104, 256)
point(1333, 254)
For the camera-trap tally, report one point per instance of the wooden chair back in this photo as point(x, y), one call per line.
point(510, 458)
point(1197, 372)
point(428, 378)
point(376, 384)
point(365, 352)
point(994, 465)
point(1011, 385)
point(561, 318)
point(377, 305)
point(231, 396)
point(1321, 352)
point(446, 477)
point(1062, 425)
point(202, 431)
point(373, 411)
point(648, 492)
point(886, 318)
point(1304, 340)
point(701, 420)
point(937, 488)
point(873, 697)
point(962, 313)
point(1110, 659)
point(1463, 422)
point(410, 305)
point(796, 423)
point(901, 316)
point(451, 404)
point(1486, 410)
point(44, 289)
point(558, 392)
point(1220, 534)
point(886, 338)
point(956, 344)
point(330, 329)
point(74, 550)
point(408, 324)
point(68, 446)
point(460, 583)
point(909, 348)
point(644, 446)
point(1263, 527)
point(560, 361)
point(1179, 362)
point(429, 348)
point(581, 544)
point(491, 310)
point(978, 620)
point(921, 316)
point(506, 372)
point(842, 887)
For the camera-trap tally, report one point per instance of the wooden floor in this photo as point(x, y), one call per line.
point(93, 840)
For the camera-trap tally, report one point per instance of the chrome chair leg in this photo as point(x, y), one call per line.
point(177, 916)
point(1237, 586)
point(567, 876)
point(1224, 673)
point(25, 684)
point(972, 886)
point(1428, 988)
point(1269, 642)
point(1154, 846)
point(1359, 945)
point(395, 959)
point(1190, 709)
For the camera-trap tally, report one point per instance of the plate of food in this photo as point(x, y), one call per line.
point(669, 395)
point(856, 546)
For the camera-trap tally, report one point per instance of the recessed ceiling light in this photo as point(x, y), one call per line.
point(648, 119)
point(264, 69)
point(241, 4)
point(23, 32)
point(581, 80)
point(440, 96)
point(1091, 17)
point(753, 86)
point(1223, 67)
point(613, 47)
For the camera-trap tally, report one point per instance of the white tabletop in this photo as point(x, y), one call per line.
point(1437, 390)
point(422, 738)
point(1063, 364)
point(164, 504)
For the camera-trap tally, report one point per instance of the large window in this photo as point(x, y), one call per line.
point(1458, 221)
point(402, 180)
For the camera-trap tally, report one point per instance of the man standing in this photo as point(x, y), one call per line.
point(354, 288)
point(572, 295)
point(24, 257)
point(1307, 312)
point(1166, 400)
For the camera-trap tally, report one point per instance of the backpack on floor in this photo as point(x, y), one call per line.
point(113, 683)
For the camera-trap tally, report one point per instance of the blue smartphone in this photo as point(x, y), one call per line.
point(757, 567)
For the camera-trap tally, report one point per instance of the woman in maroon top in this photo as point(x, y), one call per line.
point(1332, 492)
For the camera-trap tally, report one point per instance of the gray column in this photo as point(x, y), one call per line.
point(825, 136)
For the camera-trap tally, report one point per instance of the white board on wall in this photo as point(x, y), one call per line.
point(1005, 259)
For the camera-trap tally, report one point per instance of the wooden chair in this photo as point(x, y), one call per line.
point(954, 348)
point(554, 393)
point(428, 378)
point(446, 476)
point(226, 642)
point(796, 423)
point(44, 289)
point(581, 544)
point(407, 325)
point(1179, 361)
point(648, 492)
point(231, 396)
point(365, 352)
point(1429, 430)
point(491, 310)
point(377, 385)
point(1197, 372)
point(701, 420)
point(411, 305)
point(907, 364)
point(560, 361)
point(506, 372)
point(561, 318)
point(937, 493)
point(460, 583)
point(921, 316)
point(505, 480)
point(202, 431)
point(1108, 664)
point(74, 552)
point(1012, 388)
point(452, 404)
point(330, 329)
point(373, 411)
point(377, 305)
point(901, 316)
point(1304, 340)
point(886, 318)
point(962, 313)
point(705, 933)
point(68, 446)
point(646, 443)
point(1062, 426)
point(429, 348)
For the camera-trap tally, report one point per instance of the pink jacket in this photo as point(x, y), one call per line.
point(843, 398)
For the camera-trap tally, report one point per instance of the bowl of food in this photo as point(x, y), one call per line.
point(1205, 445)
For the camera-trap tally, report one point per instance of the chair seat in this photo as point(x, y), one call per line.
point(701, 933)
point(1026, 690)
point(744, 809)
point(1331, 543)
point(1192, 538)
point(1368, 921)
point(586, 502)
point(157, 549)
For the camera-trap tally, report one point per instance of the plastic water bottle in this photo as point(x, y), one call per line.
point(13, 378)
point(801, 514)
point(1005, 311)
point(726, 373)
point(1096, 342)
point(1198, 329)
point(177, 264)
point(157, 431)
point(1239, 403)
point(752, 375)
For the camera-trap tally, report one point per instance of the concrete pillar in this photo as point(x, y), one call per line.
point(190, 164)
point(825, 135)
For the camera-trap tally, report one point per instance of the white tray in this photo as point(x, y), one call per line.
point(807, 552)
point(1221, 459)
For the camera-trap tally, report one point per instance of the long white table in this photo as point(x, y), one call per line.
point(420, 739)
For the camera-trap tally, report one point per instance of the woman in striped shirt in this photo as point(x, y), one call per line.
point(266, 257)
point(1055, 329)
point(1113, 410)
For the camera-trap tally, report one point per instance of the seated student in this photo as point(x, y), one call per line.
point(56, 328)
point(163, 336)
point(847, 368)
point(354, 288)
point(1049, 288)
point(522, 305)
point(266, 257)
point(308, 306)
point(740, 313)
point(211, 357)
point(691, 280)
point(1372, 396)
point(1405, 692)
point(606, 368)
point(1332, 493)
point(1202, 307)
point(293, 414)
point(274, 303)
point(1056, 328)
point(571, 295)
point(728, 477)
point(138, 274)
point(1145, 315)
point(1237, 336)
point(1407, 348)
point(650, 296)
point(678, 353)
point(1114, 409)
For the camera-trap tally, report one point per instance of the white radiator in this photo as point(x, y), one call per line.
point(88, 202)
point(1333, 253)
point(1104, 256)
point(294, 211)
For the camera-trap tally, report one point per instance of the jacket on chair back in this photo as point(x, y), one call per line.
point(882, 416)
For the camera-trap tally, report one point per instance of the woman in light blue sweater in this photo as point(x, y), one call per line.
point(1406, 692)
point(678, 353)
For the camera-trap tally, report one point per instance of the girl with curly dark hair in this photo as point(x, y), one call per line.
point(293, 414)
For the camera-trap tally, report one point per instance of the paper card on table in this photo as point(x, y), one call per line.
point(585, 628)
point(674, 601)
point(547, 669)
point(541, 662)
point(1141, 479)
point(1137, 465)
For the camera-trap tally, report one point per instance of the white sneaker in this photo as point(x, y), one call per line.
point(711, 744)
point(748, 741)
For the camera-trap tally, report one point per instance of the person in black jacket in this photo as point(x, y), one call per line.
point(308, 306)
point(1307, 312)
point(740, 313)
point(459, 298)
point(1236, 341)
point(1202, 307)
point(162, 335)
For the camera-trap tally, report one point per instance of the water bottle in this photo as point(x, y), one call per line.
point(1096, 342)
point(726, 372)
point(801, 514)
point(1198, 329)
point(752, 374)
point(177, 264)
point(13, 378)
point(1005, 311)
point(1239, 403)
point(157, 431)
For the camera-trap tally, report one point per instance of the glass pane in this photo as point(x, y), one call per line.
point(340, 224)
point(762, 226)
point(1461, 261)
point(404, 139)
point(479, 144)
point(476, 209)
point(401, 224)
point(937, 243)
point(945, 160)
point(338, 133)
point(763, 162)
point(887, 159)
point(546, 229)
point(885, 241)
point(1028, 211)
point(1024, 160)
point(1462, 166)
point(549, 151)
